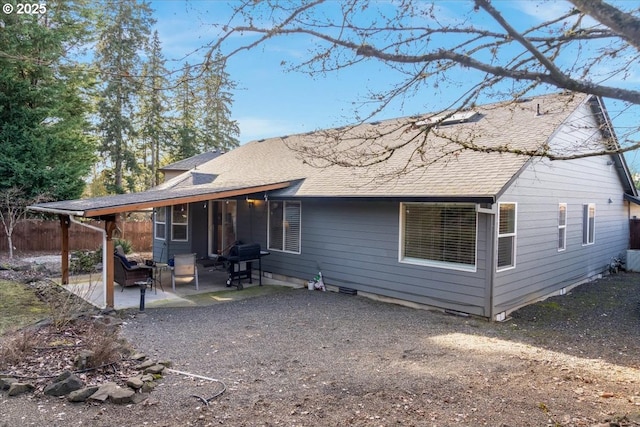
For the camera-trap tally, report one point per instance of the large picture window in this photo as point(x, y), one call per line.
point(284, 226)
point(562, 226)
point(161, 223)
point(506, 236)
point(588, 224)
point(180, 222)
point(439, 234)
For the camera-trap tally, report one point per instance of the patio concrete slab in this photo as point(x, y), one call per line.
point(212, 289)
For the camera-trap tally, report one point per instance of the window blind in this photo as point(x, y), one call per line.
point(440, 232)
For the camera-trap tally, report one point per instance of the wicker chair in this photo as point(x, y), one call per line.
point(127, 274)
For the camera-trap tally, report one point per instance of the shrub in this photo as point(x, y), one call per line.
point(126, 245)
point(85, 261)
point(15, 348)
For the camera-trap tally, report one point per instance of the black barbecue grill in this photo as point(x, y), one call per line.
point(244, 253)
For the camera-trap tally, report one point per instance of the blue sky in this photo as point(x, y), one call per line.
point(270, 101)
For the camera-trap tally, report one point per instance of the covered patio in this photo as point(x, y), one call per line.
point(212, 289)
point(101, 290)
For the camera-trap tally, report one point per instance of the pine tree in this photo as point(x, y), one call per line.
point(186, 104)
point(44, 149)
point(124, 28)
point(218, 131)
point(153, 113)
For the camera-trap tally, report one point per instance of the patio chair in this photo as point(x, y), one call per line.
point(126, 273)
point(184, 265)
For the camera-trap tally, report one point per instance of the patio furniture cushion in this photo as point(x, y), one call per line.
point(128, 274)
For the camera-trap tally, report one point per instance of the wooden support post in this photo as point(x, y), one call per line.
point(64, 227)
point(110, 227)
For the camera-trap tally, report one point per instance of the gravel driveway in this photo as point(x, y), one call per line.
point(307, 358)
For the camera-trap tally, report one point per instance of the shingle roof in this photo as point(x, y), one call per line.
point(280, 163)
point(192, 162)
point(457, 173)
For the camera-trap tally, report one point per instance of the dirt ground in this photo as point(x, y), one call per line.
point(310, 358)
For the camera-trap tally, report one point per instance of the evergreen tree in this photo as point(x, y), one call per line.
point(124, 29)
point(43, 113)
point(153, 113)
point(186, 104)
point(218, 131)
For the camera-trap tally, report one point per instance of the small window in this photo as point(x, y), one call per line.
point(562, 226)
point(161, 223)
point(588, 223)
point(180, 222)
point(284, 226)
point(506, 236)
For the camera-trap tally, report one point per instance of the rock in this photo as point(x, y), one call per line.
point(138, 356)
point(65, 386)
point(135, 382)
point(103, 392)
point(113, 393)
point(148, 386)
point(139, 397)
point(155, 369)
point(5, 382)
point(144, 365)
point(147, 378)
point(82, 394)
point(63, 376)
point(19, 388)
point(122, 396)
point(83, 359)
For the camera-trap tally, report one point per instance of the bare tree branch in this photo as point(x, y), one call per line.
point(625, 25)
point(567, 52)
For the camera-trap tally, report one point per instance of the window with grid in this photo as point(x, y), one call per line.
point(562, 226)
point(161, 223)
point(442, 235)
point(180, 222)
point(506, 236)
point(588, 223)
point(284, 226)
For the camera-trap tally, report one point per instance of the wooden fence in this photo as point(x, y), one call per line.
point(45, 236)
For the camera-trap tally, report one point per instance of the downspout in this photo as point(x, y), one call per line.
point(104, 256)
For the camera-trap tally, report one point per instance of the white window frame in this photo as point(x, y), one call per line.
point(285, 228)
point(432, 262)
point(174, 223)
point(588, 224)
point(562, 227)
point(513, 235)
point(163, 223)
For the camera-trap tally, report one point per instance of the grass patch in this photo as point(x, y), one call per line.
point(19, 306)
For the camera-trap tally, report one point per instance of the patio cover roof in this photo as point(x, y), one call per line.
point(110, 205)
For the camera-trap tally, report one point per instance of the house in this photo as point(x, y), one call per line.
point(176, 168)
point(475, 232)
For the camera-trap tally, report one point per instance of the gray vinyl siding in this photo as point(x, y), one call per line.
point(252, 221)
point(540, 268)
point(196, 241)
point(355, 245)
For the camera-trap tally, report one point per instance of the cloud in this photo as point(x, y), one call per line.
point(542, 11)
point(252, 128)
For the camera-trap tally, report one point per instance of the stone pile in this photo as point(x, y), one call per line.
point(135, 390)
